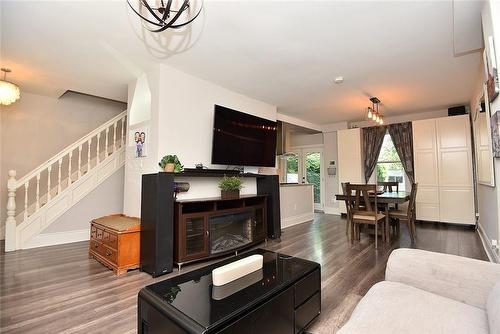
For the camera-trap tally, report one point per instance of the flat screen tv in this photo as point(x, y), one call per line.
point(243, 140)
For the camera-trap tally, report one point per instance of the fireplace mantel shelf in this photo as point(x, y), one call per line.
point(213, 174)
point(213, 199)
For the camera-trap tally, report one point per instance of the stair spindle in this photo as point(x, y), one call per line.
point(98, 148)
point(123, 132)
point(38, 191)
point(114, 136)
point(107, 141)
point(69, 167)
point(88, 154)
point(10, 223)
point(79, 161)
point(59, 177)
point(26, 186)
point(49, 170)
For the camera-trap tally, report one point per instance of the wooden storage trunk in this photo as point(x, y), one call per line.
point(115, 242)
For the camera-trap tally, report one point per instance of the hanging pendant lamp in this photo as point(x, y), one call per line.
point(9, 92)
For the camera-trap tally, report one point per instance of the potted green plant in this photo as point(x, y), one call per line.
point(230, 187)
point(170, 163)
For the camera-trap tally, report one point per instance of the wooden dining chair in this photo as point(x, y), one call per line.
point(348, 221)
point(390, 186)
point(362, 210)
point(408, 215)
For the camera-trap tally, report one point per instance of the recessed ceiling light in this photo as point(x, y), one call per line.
point(339, 80)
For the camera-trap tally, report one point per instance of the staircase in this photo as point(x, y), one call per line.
point(56, 185)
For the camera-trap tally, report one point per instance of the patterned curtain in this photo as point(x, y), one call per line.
point(373, 137)
point(402, 138)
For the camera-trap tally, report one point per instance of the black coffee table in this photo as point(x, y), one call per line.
point(283, 297)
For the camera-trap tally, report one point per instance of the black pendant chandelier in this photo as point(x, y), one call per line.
point(373, 112)
point(164, 14)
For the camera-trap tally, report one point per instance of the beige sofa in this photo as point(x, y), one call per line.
point(427, 292)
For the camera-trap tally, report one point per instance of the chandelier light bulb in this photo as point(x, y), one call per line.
point(381, 121)
point(370, 113)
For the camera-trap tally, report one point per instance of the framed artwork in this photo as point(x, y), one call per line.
point(138, 138)
point(491, 70)
point(495, 135)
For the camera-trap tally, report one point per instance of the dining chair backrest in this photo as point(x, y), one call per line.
point(389, 186)
point(344, 190)
point(413, 198)
point(346, 201)
point(358, 197)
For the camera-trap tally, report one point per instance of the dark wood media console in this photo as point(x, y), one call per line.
point(210, 227)
point(158, 216)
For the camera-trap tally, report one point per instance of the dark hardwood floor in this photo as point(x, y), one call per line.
point(60, 290)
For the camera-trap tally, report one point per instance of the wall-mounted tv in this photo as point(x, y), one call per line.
point(243, 140)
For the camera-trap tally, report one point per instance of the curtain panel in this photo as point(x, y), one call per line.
point(373, 137)
point(402, 137)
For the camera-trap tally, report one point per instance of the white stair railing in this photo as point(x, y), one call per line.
point(40, 186)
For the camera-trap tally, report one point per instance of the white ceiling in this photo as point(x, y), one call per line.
point(286, 53)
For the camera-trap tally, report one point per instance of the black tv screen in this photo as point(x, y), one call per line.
point(242, 139)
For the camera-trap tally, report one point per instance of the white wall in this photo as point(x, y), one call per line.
point(182, 120)
point(489, 197)
point(140, 111)
point(36, 127)
point(301, 140)
point(330, 152)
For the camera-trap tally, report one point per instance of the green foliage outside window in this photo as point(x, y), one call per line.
point(292, 164)
point(313, 171)
point(389, 162)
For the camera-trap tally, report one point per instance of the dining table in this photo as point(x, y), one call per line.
point(384, 199)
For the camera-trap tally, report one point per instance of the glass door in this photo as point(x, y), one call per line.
point(313, 173)
point(195, 237)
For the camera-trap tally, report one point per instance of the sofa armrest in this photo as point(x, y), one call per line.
point(465, 280)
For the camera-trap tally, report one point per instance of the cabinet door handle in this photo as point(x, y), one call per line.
point(108, 253)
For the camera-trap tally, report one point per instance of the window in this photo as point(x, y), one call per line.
point(389, 167)
point(292, 169)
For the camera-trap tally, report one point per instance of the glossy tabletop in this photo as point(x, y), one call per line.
point(194, 295)
point(384, 198)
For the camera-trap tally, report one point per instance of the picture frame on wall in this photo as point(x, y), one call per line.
point(495, 135)
point(137, 138)
point(491, 70)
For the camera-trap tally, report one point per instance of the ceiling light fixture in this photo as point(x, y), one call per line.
point(9, 92)
point(162, 15)
point(339, 80)
point(373, 112)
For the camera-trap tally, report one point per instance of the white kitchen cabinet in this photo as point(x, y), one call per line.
point(443, 170)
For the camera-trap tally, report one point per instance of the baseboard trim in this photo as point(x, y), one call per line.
point(332, 211)
point(295, 220)
point(492, 255)
point(57, 238)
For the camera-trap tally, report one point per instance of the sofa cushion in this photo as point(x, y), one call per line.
point(493, 309)
point(391, 307)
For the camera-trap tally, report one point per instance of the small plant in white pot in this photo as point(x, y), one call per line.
point(170, 163)
point(230, 187)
